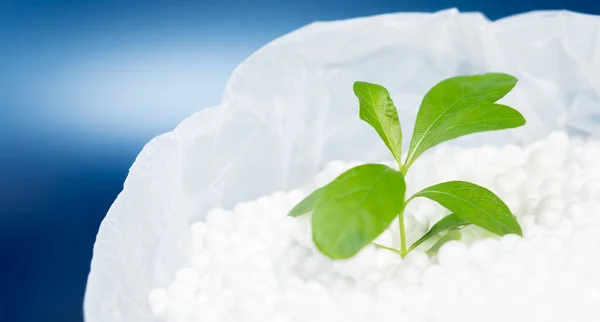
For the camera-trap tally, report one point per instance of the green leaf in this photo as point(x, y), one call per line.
point(475, 204)
point(451, 221)
point(453, 234)
point(355, 208)
point(306, 205)
point(459, 106)
point(377, 109)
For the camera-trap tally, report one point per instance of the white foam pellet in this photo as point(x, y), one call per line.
point(386, 239)
point(590, 189)
point(219, 219)
point(550, 217)
point(469, 234)
point(157, 301)
point(236, 277)
point(530, 205)
point(201, 261)
point(189, 276)
point(549, 202)
point(204, 313)
point(279, 317)
point(418, 259)
point(508, 242)
point(453, 253)
point(199, 229)
point(295, 196)
point(542, 160)
point(384, 259)
point(550, 187)
point(216, 239)
point(481, 254)
point(590, 156)
point(178, 309)
point(220, 262)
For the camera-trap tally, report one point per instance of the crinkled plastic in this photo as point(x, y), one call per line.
point(289, 109)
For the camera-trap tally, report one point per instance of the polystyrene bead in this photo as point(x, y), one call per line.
point(549, 218)
point(563, 229)
point(295, 196)
point(221, 261)
point(385, 258)
point(217, 240)
point(541, 160)
point(237, 277)
point(508, 242)
point(357, 304)
point(157, 301)
point(409, 275)
point(434, 276)
point(528, 221)
point(201, 261)
point(554, 243)
point(199, 229)
point(536, 231)
point(189, 276)
point(316, 264)
point(357, 265)
point(279, 317)
point(251, 245)
point(418, 259)
point(590, 189)
point(558, 140)
point(250, 306)
point(219, 219)
point(410, 223)
point(181, 290)
point(550, 187)
point(178, 309)
point(204, 313)
point(508, 264)
point(530, 205)
point(337, 167)
point(590, 156)
point(386, 239)
point(549, 203)
point(481, 254)
point(576, 213)
point(469, 234)
point(504, 182)
point(298, 254)
point(291, 301)
point(572, 186)
point(453, 253)
point(261, 262)
point(585, 239)
point(241, 211)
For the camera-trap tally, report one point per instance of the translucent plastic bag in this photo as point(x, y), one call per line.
point(289, 109)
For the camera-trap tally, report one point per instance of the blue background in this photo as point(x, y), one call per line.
point(85, 84)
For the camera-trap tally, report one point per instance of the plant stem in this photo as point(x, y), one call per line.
point(402, 234)
point(387, 248)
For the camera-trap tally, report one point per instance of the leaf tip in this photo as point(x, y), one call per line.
point(358, 85)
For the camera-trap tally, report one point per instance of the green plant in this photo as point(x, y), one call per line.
point(356, 207)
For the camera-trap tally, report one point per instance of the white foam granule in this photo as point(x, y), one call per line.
point(253, 263)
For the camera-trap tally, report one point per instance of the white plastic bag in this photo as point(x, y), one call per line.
point(289, 109)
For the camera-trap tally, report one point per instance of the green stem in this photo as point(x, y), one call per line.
point(387, 248)
point(403, 169)
point(402, 234)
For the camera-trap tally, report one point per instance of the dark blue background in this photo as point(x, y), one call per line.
point(84, 84)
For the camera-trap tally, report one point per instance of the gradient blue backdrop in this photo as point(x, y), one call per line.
point(84, 84)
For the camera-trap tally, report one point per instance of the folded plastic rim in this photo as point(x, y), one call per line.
point(289, 109)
